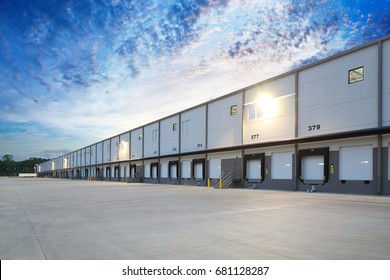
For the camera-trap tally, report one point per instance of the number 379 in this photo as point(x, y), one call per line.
point(313, 127)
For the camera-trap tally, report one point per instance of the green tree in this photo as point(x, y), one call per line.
point(8, 165)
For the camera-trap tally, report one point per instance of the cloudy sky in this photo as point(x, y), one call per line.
point(75, 72)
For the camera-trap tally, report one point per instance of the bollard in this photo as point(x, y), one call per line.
point(208, 183)
point(220, 184)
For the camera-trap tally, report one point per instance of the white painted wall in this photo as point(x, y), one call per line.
point(99, 153)
point(107, 151)
point(269, 111)
point(386, 83)
point(78, 158)
point(224, 129)
point(136, 143)
point(328, 104)
point(93, 154)
point(114, 144)
point(151, 140)
point(124, 146)
point(168, 136)
point(193, 130)
point(88, 155)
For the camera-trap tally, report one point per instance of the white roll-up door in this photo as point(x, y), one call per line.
point(132, 171)
point(186, 169)
point(198, 170)
point(313, 167)
point(147, 170)
point(253, 169)
point(356, 163)
point(154, 171)
point(215, 168)
point(173, 171)
point(164, 169)
point(281, 165)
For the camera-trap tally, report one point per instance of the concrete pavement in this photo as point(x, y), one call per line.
point(65, 219)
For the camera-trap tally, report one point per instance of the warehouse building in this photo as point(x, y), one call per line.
point(323, 127)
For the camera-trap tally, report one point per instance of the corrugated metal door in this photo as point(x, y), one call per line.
point(281, 165)
point(356, 163)
point(164, 169)
point(215, 168)
point(173, 171)
point(154, 171)
point(313, 168)
point(147, 170)
point(198, 171)
point(253, 169)
point(186, 169)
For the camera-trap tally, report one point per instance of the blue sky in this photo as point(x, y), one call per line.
point(75, 72)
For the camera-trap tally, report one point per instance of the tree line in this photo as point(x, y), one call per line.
point(9, 167)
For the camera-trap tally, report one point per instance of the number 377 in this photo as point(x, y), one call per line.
point(313, 127)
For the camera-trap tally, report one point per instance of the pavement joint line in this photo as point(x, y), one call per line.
point(29, 221)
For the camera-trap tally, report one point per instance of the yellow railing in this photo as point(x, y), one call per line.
point(209, 183)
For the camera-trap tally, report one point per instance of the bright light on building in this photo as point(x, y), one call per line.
point(268, 106)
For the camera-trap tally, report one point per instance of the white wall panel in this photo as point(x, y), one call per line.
point(107, 151)
point(114, 149)
point(66, 161)
point(356, 163)
point(169, 135)
point(83, 157)
point(136, 143)
point(225, 122)
point(71, 160)
point(99, 153)
point(388, 162)
point(193, 130)
point(151, 140)
point(124, 146)
point(269, 111)
point(93, 154)
point(78, 158)
point(386, 83)
point(88, 155)
point(328, 103)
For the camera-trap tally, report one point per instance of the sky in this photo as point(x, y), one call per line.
point(73, 72)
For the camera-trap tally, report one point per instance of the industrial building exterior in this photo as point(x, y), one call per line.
point(325, 125)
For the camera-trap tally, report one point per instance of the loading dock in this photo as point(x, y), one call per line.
point(313, 166)
point(254, 168)
point(278, 129)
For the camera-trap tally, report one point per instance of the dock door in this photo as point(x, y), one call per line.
point(198, 169)
point(313, 166)
point(254, 168)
